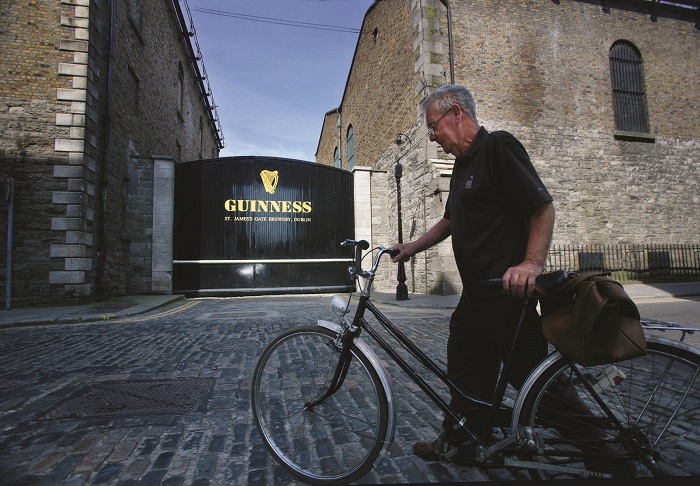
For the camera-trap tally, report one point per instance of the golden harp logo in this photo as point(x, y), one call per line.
point(270, 179)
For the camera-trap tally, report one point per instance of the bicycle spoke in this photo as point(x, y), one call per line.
point(334, 440)
point(647, 397)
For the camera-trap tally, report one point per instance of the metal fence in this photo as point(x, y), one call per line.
point(630, 263)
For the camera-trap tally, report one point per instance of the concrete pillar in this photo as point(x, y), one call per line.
point(163, 211)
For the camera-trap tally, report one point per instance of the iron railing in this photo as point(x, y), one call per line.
point(630, 263)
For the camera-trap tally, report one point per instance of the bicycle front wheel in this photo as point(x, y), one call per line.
point(335, 441)
point(641, 420)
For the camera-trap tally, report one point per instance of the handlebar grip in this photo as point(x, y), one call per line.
point(494, 283)
point(364, 245)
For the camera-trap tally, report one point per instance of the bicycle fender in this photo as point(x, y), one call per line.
point(556, 355)
point(386, 384)
point(534, 375)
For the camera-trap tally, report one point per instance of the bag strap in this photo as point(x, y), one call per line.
point(563, 292)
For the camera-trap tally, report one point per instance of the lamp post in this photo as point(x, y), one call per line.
point(401, 289)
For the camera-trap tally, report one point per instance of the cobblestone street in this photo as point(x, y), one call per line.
point(162, 398)
point(59, 428)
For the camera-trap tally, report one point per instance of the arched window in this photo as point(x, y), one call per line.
point(336, 158)
point(351, 148)
point(629, 96)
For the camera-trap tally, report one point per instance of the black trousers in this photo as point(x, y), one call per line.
point(481, 336)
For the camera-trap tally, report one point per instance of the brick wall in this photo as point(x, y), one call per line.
point(380, 97)
point(81, 136)
point(540, 70)
point(328, 141)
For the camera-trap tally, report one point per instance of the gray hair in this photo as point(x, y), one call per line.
point(444, 96)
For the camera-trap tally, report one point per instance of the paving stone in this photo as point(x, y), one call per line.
point(216, 444)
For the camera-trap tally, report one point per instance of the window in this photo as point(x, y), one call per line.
point(134, 89)
point(629, 96)
point(180, 88)
point(135, 10)
point(201, 136)
point(336, 158)
point(351, 148)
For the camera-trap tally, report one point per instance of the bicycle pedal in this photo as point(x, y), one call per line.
point(529, 439)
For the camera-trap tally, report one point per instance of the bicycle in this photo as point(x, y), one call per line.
point(323, 402)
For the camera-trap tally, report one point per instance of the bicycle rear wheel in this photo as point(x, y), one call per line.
point(336, 441)
point(655, 398)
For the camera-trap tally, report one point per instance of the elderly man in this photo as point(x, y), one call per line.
point(500, 217)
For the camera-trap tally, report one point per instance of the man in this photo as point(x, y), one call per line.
point(501, 218)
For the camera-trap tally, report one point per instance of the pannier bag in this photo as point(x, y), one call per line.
point(591, 319)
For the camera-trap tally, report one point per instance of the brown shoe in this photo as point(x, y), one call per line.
point(427, 450)
point(437, 450)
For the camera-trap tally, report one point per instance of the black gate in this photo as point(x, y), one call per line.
point(261, 225)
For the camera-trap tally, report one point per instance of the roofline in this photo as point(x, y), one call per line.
point(339, 109)
point(211, 110)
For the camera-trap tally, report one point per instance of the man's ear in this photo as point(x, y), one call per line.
point(456, 111)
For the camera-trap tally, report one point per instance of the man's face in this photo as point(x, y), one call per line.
point(441, 128)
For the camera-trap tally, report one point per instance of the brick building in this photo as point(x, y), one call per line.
point(603, 94)
point(99, 100)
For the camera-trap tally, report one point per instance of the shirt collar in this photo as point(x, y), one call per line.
point(477, 142)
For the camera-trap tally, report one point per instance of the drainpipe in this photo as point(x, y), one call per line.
point(449, 35)
point(340, 137)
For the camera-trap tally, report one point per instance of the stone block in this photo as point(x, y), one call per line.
point(70, 94)
point(68, 224)
point(72, 264)
point(70, 69)
point(68, 251)
point(66, 277)
point(68, 145)
point(74, 45)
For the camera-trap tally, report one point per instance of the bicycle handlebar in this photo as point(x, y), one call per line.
point(548, 281)
point(360, 246)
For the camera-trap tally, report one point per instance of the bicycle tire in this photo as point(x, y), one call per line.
point(338, 440)
point(642, 393)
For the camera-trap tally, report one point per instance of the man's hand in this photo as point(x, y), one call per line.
point(405, 252)
point(519, 281)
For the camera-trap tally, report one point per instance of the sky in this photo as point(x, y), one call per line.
point(275, 68)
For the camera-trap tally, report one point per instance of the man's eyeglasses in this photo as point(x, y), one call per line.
point(431, 127)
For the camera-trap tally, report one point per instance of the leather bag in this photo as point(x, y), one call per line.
point(591, 319)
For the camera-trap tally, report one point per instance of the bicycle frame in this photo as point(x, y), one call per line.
point(496, 414)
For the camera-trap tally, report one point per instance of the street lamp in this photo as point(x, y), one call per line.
point(401, 289)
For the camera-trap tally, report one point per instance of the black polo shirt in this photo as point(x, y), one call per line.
point(493, 192)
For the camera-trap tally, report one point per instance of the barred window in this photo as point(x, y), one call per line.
point(629, 96)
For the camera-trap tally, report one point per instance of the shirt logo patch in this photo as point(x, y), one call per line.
point(468, 184)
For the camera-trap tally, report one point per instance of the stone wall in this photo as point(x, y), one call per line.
point(540, 70)
point(380, 98)
point(94, 94)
